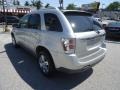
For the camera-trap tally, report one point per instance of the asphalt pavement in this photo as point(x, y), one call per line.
point(19, 71)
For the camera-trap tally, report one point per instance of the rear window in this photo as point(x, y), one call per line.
point(114, 24)
point(83, 23)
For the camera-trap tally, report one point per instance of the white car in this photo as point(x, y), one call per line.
point(106, 22)
point(61, 40)
point(98, 19)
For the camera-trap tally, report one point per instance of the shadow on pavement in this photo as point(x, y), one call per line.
point(28, 69)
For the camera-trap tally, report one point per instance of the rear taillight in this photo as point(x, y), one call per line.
point(69, 45)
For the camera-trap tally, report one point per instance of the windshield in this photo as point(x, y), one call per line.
point(81, 23)
point(114, 24)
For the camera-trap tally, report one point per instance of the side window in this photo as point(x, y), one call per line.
point(52, 22)
point(34, 21)
point(24, 22)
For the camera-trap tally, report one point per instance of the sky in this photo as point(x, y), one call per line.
point(55, 3)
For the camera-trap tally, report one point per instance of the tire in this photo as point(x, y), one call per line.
point(46, 63)
point(14, 42)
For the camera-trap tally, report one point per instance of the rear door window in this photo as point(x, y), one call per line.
point(52, 22)
point(83, 23)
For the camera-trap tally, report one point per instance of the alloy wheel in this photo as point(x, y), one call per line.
point(44, 65)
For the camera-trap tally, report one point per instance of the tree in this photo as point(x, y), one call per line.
point(0, 2)
point(27, 3)
point(37, 4)
point(47, 5)
point(16, 2)
point(113, 6)
point(71, 7)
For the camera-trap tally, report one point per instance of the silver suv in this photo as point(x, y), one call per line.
point(61, 40)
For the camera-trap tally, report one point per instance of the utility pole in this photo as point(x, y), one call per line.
point(61, 4)
point(3, 3)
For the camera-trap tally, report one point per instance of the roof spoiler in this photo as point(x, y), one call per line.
point(76, 12)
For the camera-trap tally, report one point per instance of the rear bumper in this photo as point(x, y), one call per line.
point(71, 63)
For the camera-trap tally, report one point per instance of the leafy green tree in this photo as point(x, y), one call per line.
point(71, 7)
point(37, 4)
point(0, 2)
point(16, 2)
point(113, 6)
point(27, 3)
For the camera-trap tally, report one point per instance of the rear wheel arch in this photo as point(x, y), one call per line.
point(43, 51)
point(41, 48)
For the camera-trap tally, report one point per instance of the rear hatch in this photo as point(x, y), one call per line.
point(88, 32)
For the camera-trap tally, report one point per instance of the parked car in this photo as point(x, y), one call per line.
point(113, 29)
point(98, 19)
point(10, 19)
point(106, 22)
point(69, 40)
point(1, 16)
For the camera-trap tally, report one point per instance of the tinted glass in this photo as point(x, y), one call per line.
point(11, 18)
point(114, 24)
point(24, 21)
point(81, 23)
point(52, 22)
point(34, 21)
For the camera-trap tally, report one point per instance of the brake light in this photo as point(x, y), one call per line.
point(69, 45)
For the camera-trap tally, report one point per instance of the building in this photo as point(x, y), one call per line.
point(15, 10)
point(115, 15)
point(92, 7)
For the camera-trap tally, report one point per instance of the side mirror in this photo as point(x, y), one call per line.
point(16, 25)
